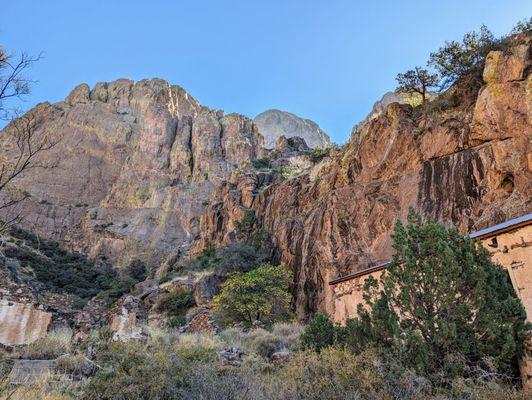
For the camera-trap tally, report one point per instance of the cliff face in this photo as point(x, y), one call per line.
point(275, 123)
point(135, 166)
point(469, 165)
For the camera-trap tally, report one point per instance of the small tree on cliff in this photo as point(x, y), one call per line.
point(457, 59)
point(257, 295)
point(443, 299)
point(417, 80)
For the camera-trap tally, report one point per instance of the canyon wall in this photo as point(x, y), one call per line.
point(134, 167)
point(467, 164)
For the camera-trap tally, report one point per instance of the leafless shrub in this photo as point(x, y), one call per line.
point(21, 142)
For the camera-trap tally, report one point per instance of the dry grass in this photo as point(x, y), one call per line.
point(186, 366)
point(55, 343)
point(283, 336)
point(31, 393)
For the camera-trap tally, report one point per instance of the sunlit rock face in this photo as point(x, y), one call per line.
point(21, 323)
point(469, 166)
point(134, 168)
point(275, 123)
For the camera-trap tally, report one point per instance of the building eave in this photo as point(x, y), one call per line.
point(494, 230)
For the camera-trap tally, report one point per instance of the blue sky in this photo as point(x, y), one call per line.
point(324, 60)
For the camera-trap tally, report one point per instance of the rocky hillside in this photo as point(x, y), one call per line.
point(465, 159)
point(134, 168)
point(275, 123)
point(143, 171)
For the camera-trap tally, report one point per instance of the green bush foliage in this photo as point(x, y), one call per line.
point(231, 258)
point(257, 295)
point(249, 231)
point(317, 154)
point(319, 333)
point(122, 284)
point(245, 227)
point(58, 270)
point(443, 307)
point(175, 303)
point(177, 321)
point(119, 287)
point(264, 163)
point(137, 270)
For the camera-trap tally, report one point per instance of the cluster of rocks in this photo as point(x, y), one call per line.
point(200, 321)
point(232, 356)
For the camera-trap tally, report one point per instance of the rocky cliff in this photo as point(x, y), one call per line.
point(142, 170)
point(275, 123)
point(464, 160)
point(134, 168)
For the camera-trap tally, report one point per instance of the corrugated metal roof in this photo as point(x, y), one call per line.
point(504, 226)
point(482, 234)
point(374, 268)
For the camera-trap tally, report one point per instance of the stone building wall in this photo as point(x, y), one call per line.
point(510, 247)
point(513, 250)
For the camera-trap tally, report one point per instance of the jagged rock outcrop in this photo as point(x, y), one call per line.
point(135, 166)
point(275, 123)
point(125, 317)
point(380, 106)
point(469, 166)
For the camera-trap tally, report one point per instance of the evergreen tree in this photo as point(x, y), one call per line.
point(457, 59)
point(442, 299)
point(319, 333)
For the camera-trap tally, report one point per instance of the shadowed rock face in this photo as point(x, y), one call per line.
point(469, 166)
point(275, 123)
point(136, 164)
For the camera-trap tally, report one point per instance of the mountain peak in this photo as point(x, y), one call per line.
point(275, 123)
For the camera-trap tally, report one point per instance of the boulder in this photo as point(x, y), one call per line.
point(232, 356)
point(22, 323)
point(279, 357)
point(206, 288)
point(200, 321)
point(127, 319)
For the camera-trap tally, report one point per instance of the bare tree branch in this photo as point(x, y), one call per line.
point(21, 142)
